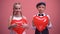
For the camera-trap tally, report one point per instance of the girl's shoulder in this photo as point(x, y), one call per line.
point(10, 17)
point(24, 17)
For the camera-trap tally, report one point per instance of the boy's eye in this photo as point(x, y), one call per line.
point(42, 7)
point(39, 7)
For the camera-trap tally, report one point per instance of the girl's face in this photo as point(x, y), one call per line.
point(41, 8)
point(17, 10)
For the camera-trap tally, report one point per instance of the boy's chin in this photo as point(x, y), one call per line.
point(40, 12)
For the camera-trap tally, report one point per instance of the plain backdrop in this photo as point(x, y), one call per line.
point(28, 10)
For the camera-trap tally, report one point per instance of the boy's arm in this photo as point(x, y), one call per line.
point(49, 24)
point(33, 26)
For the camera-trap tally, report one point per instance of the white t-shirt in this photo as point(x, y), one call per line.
point(48, 26)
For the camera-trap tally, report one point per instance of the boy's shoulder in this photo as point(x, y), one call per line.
point(34, 15)
point(47, 15)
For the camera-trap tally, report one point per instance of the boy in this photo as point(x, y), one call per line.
point(41, 8)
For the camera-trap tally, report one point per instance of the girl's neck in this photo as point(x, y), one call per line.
point(17, 16)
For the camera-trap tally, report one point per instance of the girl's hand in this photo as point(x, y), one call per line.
point(12, 26)
point(24, 25)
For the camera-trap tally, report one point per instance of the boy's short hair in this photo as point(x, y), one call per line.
point(41, 3)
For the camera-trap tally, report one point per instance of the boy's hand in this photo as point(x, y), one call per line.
point(49, 26)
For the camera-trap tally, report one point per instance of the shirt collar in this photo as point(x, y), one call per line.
point(41, 13)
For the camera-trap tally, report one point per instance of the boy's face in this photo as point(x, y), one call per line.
point(41, 8)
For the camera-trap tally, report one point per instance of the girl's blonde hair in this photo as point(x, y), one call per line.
point(14, 7)
point(16, 4)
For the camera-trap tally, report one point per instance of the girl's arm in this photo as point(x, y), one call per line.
point(25, 25)
point(9, 22)
point(10, 26)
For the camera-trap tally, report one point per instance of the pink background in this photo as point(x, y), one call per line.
point(29, 9)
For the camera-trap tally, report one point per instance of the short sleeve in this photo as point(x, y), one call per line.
point(48, 16)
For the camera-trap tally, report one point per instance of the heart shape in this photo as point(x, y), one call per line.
point(19, 23)
point(40, 22)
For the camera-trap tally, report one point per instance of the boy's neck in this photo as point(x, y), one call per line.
point(40, 12)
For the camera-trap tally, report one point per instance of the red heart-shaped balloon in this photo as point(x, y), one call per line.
point(19, 29)
point(40, 22)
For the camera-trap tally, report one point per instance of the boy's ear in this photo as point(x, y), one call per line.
point(45, 7)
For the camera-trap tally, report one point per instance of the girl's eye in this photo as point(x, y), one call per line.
point(19, 8)
point(16, 8)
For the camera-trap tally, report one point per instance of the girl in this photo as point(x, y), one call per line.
point(17, 21)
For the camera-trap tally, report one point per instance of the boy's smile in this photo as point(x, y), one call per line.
point(41, 8)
